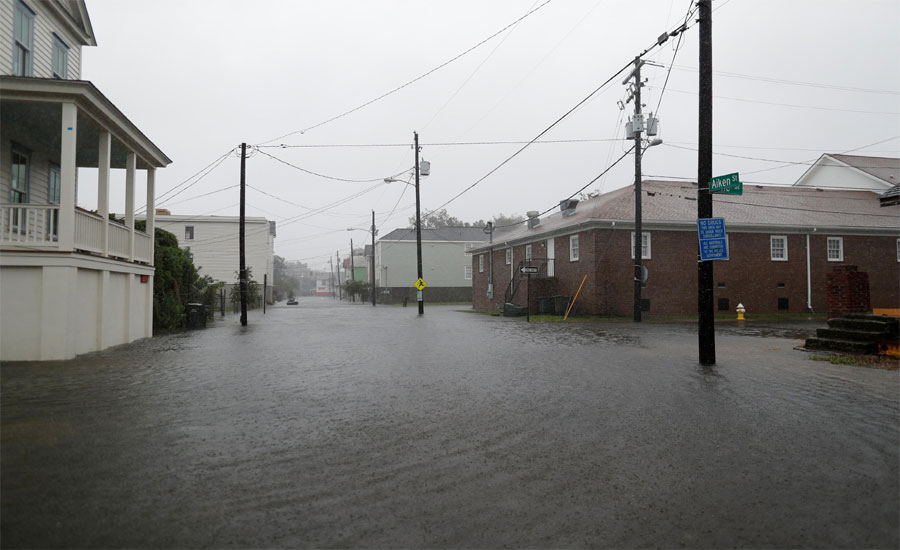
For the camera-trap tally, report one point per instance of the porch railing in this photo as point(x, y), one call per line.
point(36, 226)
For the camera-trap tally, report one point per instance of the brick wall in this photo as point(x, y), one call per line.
point(847, 291)
point(750, 277)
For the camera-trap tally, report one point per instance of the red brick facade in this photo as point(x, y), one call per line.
point(848, 291)
point(750, 277)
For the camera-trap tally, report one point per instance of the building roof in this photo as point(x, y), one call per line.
point(884, 168)
point(453, 234)
point(674, 204)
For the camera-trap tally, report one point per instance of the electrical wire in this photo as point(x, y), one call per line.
point(420, 77)
point(322, 175)
point(806, 163)
point(204, 171)
point(792, 105)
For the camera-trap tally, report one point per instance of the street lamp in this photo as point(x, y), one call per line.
point(374, 232)
point(425, 169)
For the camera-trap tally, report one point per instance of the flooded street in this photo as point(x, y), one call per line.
point(337, 425)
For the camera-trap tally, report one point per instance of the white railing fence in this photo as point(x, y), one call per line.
point(29, 225)
point(88, 231)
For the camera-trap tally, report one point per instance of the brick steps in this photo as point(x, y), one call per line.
point(858, 334)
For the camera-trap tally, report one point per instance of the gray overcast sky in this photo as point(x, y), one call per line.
point(794, 79)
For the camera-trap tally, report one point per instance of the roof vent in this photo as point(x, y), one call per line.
point(567, 207)
point(533, 219)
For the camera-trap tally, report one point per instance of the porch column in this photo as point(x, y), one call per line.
point(151, 209)
point(104, 147)
point(130, 169)
point(67, 172)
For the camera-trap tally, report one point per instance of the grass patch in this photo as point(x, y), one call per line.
point(872, 361)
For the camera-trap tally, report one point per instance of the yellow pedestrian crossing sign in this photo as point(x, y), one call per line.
point(420, 283)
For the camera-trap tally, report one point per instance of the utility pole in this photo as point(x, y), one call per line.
point(419, 294)
point(638, 240)
point(490, 231)
point(373, 258)
point(265, 289)
point(331, 268)
point(337, 255)
point(352, 269)
point(707, 329)
point(242, 274)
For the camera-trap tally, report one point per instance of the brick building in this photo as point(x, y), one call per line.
point(783, 242)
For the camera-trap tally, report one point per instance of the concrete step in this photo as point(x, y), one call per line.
point(886, 325)
point(849, 335)
point(843, 346)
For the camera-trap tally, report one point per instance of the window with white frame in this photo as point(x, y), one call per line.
point(60, 58)
point(835, 249)
point(573, 248)
point(778, 248)
point(23, 40)
point(468, 272)
point(645, 245)
point(508, 256)
point(527, 251)
point(481, 263)
point(19, 178)
point(189, 232)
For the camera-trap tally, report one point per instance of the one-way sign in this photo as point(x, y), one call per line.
point(528, 270)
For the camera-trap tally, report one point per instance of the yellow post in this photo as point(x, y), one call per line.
point(575, 297)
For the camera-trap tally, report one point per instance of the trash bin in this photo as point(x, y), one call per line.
point(513, 310)
point(546, 305)
point(196, 315)
point(561, 304)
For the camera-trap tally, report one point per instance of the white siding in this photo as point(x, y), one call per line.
point(6, 37)
point(44, 27)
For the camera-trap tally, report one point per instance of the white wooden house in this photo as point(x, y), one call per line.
point(71, 281)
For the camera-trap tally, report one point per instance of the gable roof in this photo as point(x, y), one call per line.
point(452, 234)
point(882, 172)
point(672, 204)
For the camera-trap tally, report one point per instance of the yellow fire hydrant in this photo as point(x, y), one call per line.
point(740, 312)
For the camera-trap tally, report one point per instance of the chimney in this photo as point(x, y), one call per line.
point(567, 207)
point(533, 220)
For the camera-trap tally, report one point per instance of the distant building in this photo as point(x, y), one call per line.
point(782, 241)
point(446, 265)
point(71, 281)
point(213, 242)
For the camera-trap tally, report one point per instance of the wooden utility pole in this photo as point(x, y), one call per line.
point(420, 295)
point(707, 330)
point(242, 274)
point(352, 269)
point(638, 241)
point(337, 260)
point(373, 258)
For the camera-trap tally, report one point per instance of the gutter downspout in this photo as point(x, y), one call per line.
point(808, 277)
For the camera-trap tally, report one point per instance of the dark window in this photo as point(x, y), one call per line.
point(723, 304)
point(782, 303)
point(721, 285)
point(189, 232)
point(780, 285)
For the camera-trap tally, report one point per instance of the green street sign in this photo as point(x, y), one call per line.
point(726, 185)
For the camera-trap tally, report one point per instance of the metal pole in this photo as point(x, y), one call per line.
point(420, 295)
point(491, 262)
point(243, 267)
point(707, 331)
point(352, 270)
point(337, 261)
point(528, 299)
point(265, 289)
point(373, 258)
point(331, 267)
point(638, 235)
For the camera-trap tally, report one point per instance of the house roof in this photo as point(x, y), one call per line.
point(674, 204)
point(884, 168)
point(454, 234)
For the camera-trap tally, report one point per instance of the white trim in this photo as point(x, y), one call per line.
point(772, 248)
point(643, 234)
point(467, 272)
point(840, 249)
point(481, 263)
point(528, 251)
point(509, 256)
point(574, 248)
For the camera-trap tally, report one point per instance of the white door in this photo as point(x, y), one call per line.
point(551, 258)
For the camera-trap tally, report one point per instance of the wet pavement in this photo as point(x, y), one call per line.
point(337, 425)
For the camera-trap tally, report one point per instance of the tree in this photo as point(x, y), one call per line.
point(285, 282)
point(254, 290)
point(501, 219)
point(174, 279)
point(355, 288)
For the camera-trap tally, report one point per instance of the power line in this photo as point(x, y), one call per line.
point(294, 166)
point(420, 77)
point(807, 163)
point(205, 171)
point(793, 105)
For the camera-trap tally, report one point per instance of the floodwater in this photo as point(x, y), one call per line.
point(337, 425)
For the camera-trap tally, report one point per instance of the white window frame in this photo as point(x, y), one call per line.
point(191, 229)
point(840, 249)
point(772, 239)
point(481, 263)
point(23, 20)
point(467, 273)
point(509, 256)
point(60, 58)
point(527, 251)
point(645, 246)
point(898, 250)
point(574, 248)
